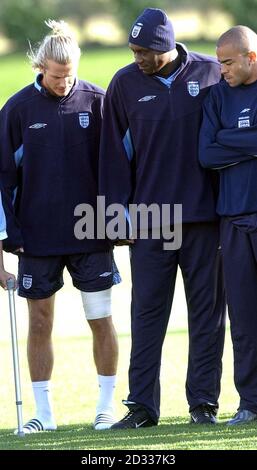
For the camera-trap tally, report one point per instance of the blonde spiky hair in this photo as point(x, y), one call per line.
point(59, 28)
point(60, 46)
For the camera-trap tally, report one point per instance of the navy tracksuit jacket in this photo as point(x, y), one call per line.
point(228, 143)
point(149, 149)
point(49, 150)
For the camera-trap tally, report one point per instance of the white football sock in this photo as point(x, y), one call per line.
point(43, 399)
point(106, 387)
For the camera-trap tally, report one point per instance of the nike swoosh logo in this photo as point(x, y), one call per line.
point(140, 424)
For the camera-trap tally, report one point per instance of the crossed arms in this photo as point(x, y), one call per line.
point(220, 148)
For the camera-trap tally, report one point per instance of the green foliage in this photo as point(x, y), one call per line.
point(79, 10)
point(243, 11)
point(23, 20)
point(128, 11)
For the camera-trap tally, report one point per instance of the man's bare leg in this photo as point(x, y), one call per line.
point(41, 359)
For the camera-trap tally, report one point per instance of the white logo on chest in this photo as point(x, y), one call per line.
point(38, 125)
point(84, 119)
point(148, 98)
point(193, 88)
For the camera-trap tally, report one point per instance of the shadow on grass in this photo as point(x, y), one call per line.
point(171, 434)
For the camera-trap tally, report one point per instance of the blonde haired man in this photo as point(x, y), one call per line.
point(49, 165)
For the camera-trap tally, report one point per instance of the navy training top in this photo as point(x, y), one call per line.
point(49, 152)
point(228, 143)
point(149, 144)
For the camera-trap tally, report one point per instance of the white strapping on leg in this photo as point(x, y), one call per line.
point(97, 304)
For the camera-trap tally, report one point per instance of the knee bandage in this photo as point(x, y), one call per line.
point(97, 304)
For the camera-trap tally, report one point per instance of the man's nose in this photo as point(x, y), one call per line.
point(223, 68)
point(64, 81)
point(138, 58)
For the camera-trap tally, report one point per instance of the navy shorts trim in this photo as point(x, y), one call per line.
point(39, 277)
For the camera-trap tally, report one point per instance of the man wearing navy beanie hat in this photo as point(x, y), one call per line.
point(153, 30)
point(149, 155)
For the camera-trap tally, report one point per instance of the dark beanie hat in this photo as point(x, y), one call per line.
point(153, 30)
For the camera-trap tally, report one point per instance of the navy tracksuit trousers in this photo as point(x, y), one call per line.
point(239, 251)
point(153, 281)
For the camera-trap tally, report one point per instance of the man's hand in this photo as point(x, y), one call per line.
point(130, 241)
point(4, 276)
point(19, 250)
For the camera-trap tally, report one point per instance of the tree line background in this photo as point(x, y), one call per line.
point(23, 20)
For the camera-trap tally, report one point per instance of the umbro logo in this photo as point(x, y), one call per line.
point(245, 110)
point(148, 98)
point(106, 274)
point(138, 425)
point(38, 125)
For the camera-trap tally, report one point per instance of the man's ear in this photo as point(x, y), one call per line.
point(252, 56)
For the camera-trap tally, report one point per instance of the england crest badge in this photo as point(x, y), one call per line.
point(193, 88)
point(84, 120)
point(136, 30)
point(27, 281)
